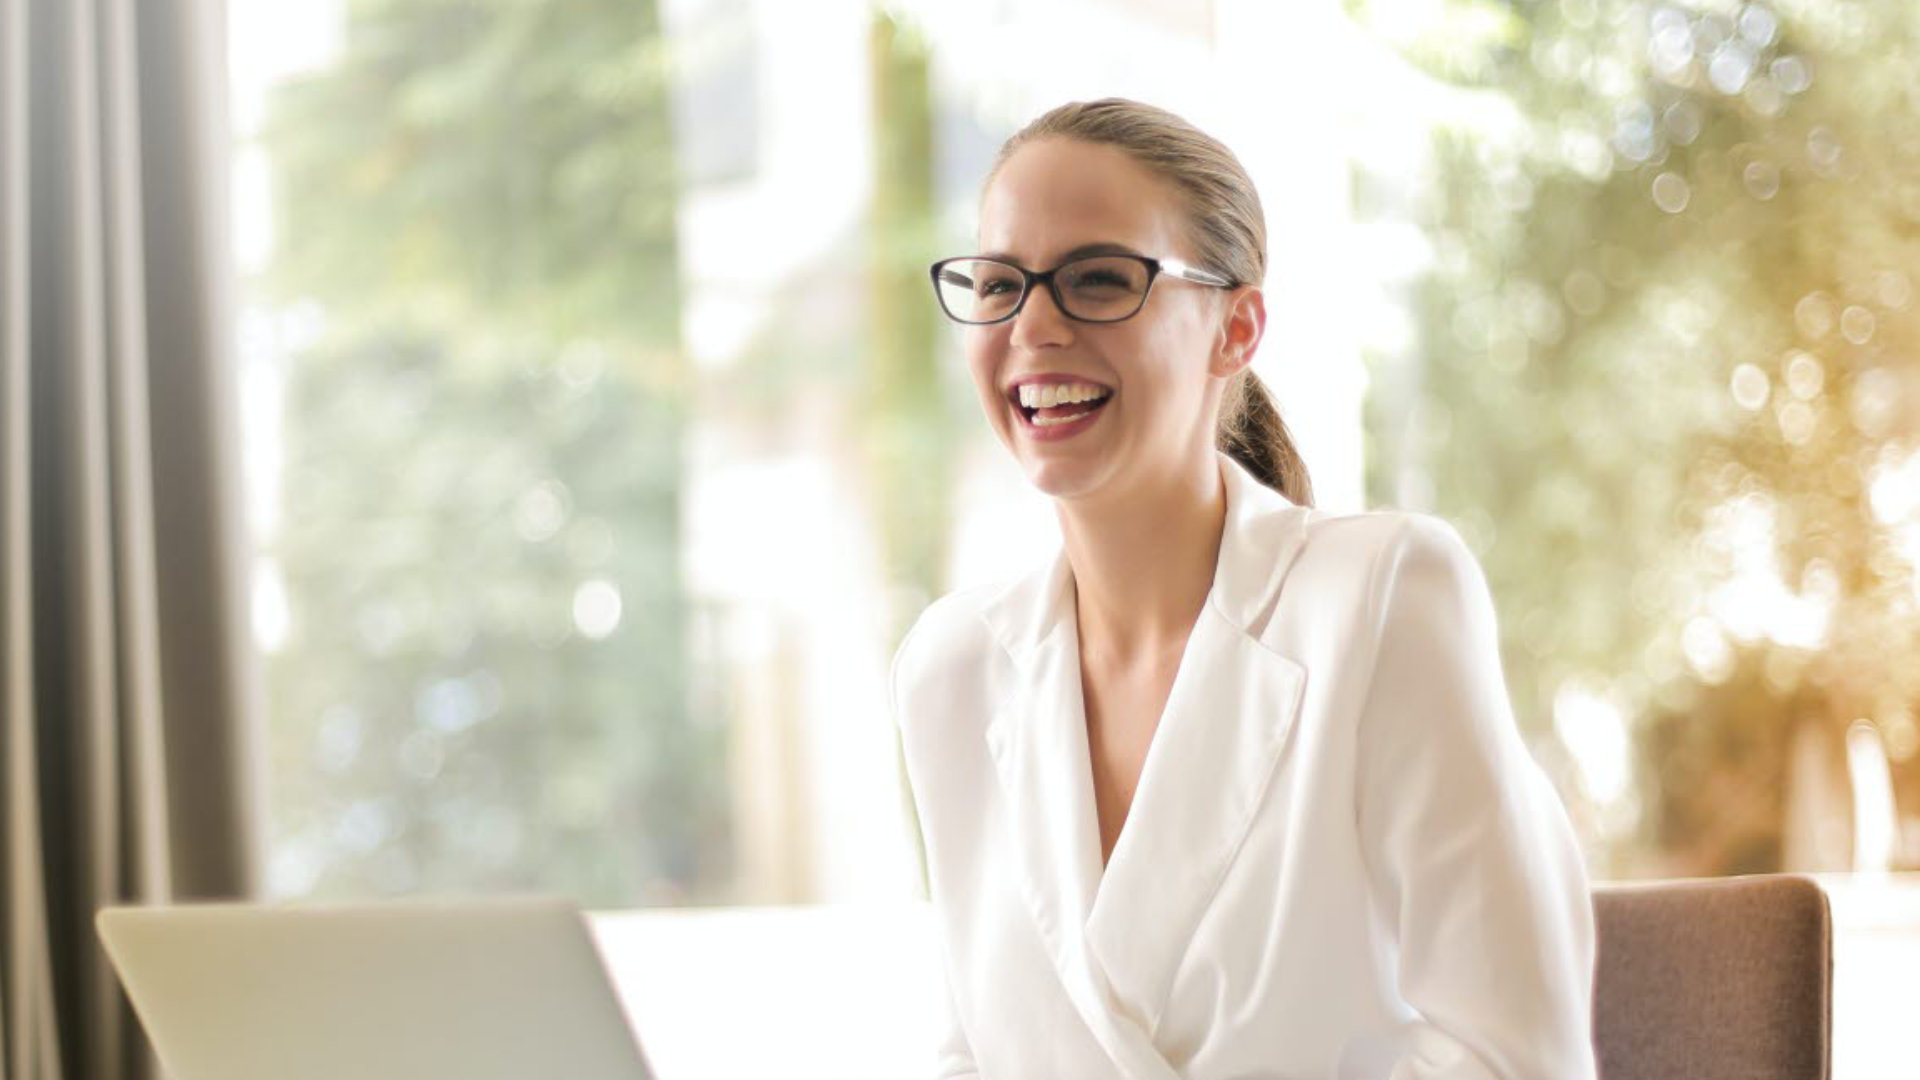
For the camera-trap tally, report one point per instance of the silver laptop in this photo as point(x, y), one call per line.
point(498, 989)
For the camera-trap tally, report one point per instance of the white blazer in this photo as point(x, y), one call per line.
point(1341, 863)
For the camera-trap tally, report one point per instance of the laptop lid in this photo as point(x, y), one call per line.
point(493, 989)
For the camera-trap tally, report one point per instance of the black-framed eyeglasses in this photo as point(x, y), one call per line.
point(1094, 289)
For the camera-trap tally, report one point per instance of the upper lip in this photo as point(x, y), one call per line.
point(1012, 390)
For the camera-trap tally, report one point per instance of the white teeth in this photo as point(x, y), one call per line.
point(1045, 395)
point(1048, 421)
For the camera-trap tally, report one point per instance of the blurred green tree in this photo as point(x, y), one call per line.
point(909, 435)
point(1667, 385)
point(485, 683)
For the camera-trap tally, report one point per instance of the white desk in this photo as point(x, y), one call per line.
point(822, 993)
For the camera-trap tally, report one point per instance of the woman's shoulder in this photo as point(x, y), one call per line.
point(1355, 558)
point(1363, 538)
point(948, 640)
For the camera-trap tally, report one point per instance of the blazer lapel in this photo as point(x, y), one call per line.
point(1217, 746)
point(1220, 737)
point(1038, 740)
point(1116, 938)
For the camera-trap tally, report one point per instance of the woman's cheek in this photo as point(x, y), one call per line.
point(994, 407)
point(982, 387)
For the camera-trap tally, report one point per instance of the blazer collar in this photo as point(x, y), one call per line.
point(1116, 935)
point(1263, 531)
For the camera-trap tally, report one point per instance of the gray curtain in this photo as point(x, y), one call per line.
point(126, 696)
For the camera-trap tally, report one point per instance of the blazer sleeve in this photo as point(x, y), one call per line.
point(953, 1056)
point(1469, 853)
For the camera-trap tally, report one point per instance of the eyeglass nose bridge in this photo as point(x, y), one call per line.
point(1033, 279)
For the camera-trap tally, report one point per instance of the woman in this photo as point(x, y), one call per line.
point(1228, 787)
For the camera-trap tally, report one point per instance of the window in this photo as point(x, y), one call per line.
point(603, 439)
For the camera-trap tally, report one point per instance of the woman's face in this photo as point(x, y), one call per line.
point(1161, 368)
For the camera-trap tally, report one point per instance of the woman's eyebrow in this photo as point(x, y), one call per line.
point(1080, 252)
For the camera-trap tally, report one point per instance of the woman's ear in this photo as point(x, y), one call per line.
point(1242, 324)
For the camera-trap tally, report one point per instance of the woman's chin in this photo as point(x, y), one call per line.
point(1066, 479)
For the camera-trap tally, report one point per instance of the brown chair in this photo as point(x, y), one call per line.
point(1714, 979)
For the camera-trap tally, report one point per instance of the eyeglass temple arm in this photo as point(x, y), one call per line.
point(1176, 268)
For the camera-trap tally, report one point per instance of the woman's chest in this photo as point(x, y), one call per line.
point(1123, 711)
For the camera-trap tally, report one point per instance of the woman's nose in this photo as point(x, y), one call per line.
point(1040, 321)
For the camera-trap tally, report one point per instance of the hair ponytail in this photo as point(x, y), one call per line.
point(1253, 434)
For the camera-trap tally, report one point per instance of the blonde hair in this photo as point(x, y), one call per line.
point(1229, 235)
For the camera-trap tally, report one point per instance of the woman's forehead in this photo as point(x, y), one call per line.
point(1056, 195)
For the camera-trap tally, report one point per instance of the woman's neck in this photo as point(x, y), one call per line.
point(1144, 564)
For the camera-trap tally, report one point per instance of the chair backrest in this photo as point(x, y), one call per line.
point(1714, 979)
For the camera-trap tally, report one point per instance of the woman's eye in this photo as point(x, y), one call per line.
point(990, 288)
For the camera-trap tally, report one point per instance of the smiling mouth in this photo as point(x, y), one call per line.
point(1060, 417)
point(1043, 406)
